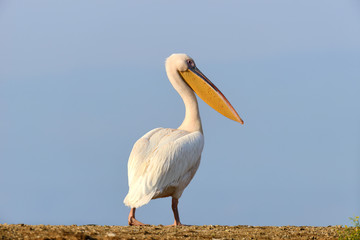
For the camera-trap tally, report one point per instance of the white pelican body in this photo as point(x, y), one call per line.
point(163, 162)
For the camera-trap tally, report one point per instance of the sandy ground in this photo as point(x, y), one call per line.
point(22, 231)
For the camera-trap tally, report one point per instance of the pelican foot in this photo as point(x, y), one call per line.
point(133, 222)
point(177, 224)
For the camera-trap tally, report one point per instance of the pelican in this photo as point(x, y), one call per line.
point(164, 161)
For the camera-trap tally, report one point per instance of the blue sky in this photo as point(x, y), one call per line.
point(81, 81)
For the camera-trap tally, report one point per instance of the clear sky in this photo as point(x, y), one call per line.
point(81, 81)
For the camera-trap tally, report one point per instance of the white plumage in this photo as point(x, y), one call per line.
point(161, 164)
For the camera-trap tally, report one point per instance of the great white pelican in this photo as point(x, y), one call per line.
point(163, 161)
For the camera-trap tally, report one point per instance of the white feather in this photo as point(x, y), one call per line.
point(161, 164)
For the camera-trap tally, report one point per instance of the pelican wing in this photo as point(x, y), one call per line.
point(162, 159)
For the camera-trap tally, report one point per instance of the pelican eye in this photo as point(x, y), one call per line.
point(190, 63)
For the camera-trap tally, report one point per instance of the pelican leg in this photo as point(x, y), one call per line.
point(174, 204)
point(132, 220)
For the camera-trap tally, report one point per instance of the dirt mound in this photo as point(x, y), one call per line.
point(22, 231)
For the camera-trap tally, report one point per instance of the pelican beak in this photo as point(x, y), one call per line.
point(209, 93)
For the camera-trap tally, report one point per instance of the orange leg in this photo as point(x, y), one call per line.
point(174, 204)
point(132, 220)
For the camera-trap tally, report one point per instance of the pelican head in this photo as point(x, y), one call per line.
point(184, 66)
